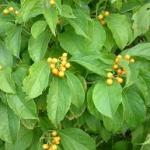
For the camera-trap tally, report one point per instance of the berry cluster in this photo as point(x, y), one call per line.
point(11, 9)
point(102, 16)
point(59, 66)
point(53, 144)
point(118, 72)
point(52, 2)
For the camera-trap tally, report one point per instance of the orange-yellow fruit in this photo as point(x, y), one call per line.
point(64, 58)
point(103, 22)
point(62, 68)
point(54, 133)
point(63, 63)
point(54, 147)
point(127, 57)
point(119, 71)
point(132, 60)
point(117, 60)
point(52, 66)
point(57, 138)
point(109, 81)
point(45, 146)
point(11, 9)
point(120, 80)
point(49, 60)
point(109, 75)
point(16, 12)
point(100, 16)
point(119, 56)
point(5, 12)
point(54, 60)
point(67, 65)
point(55, 71)
point(123, 72)
point(52, 2)
point(115, 66)
point(64, 54)
point(106, 13)
point(61, 73)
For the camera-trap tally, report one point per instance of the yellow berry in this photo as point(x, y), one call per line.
point(52, 2)
point(64, 54)
point(106, 13)
point(117, 60)
point(54, 60)
point(119, 56)
point(103, 22)
point(63, 62)
point(54, 133)
point(67, 65)
point(55, 71)
point(52, 66)
point(54, 147)
point(16, 12)
point(109, 81)
point(120, 80)
point(49, 60)
point(100, 17)
point(62, 68)
point(115, 66)
point(11, 9)
point(61, 73)
point(132, 60)
point(5, 12)
point(64, 58)
point(127, 57)
point(119, 71)
point(45, 146)
point(109, 75)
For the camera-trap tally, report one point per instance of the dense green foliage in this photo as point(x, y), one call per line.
point(77, 67)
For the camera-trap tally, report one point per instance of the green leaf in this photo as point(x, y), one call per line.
point(13, 40)
point(66, 11)
point(134, 108)
point(6, 82)
point(104, 97)
point(23, 141)
point(22, 107)
point(51, 15)
point(76, 139)
point(141, 20)
point(77, 90)
point(37, 80)
point(58, 100)
point(96, 39)
point(121, 29)
point(140, 50)
point(37, 46)
point(38, 27)
point(9, 124)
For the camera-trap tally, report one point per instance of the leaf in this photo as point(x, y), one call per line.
point(13, 40)
point(6, 82)
point(141, 20)
point(51, 15)
point(134, 108)
point(140, 50)
point(9, 125)
point(94, 43)
point(38, 27)
point(22, 107)
point(104, 97)
point(66, 11)
point(37, 80)
point(23, 141)
point(37, 47)
point(121, 29)
point(77, 90)
point(58, 100)
point(76, 139)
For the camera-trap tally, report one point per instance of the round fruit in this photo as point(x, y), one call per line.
point(52, 66)
point(5, 12)
point(61, 74)
point(103, 22)
point(119, 71)
point(100, 16)
point(115, 66)
point(109, 75)
point(132, 60)
point(11, 9)
point(54, 133)
point(55, 71)
point(67, 65)
point(106, 13)
point(63, 63)
point(64, 54)
point(16, 12)
point(119, 56)
point(120, 80)
point(54, 147)
point(117, 60)
point(54, 60)
point(49, 60)
point(62, 68)
point(109, 81)
point(45, 146)
point(52, 2)
point(64, 58)
point(127, 57)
